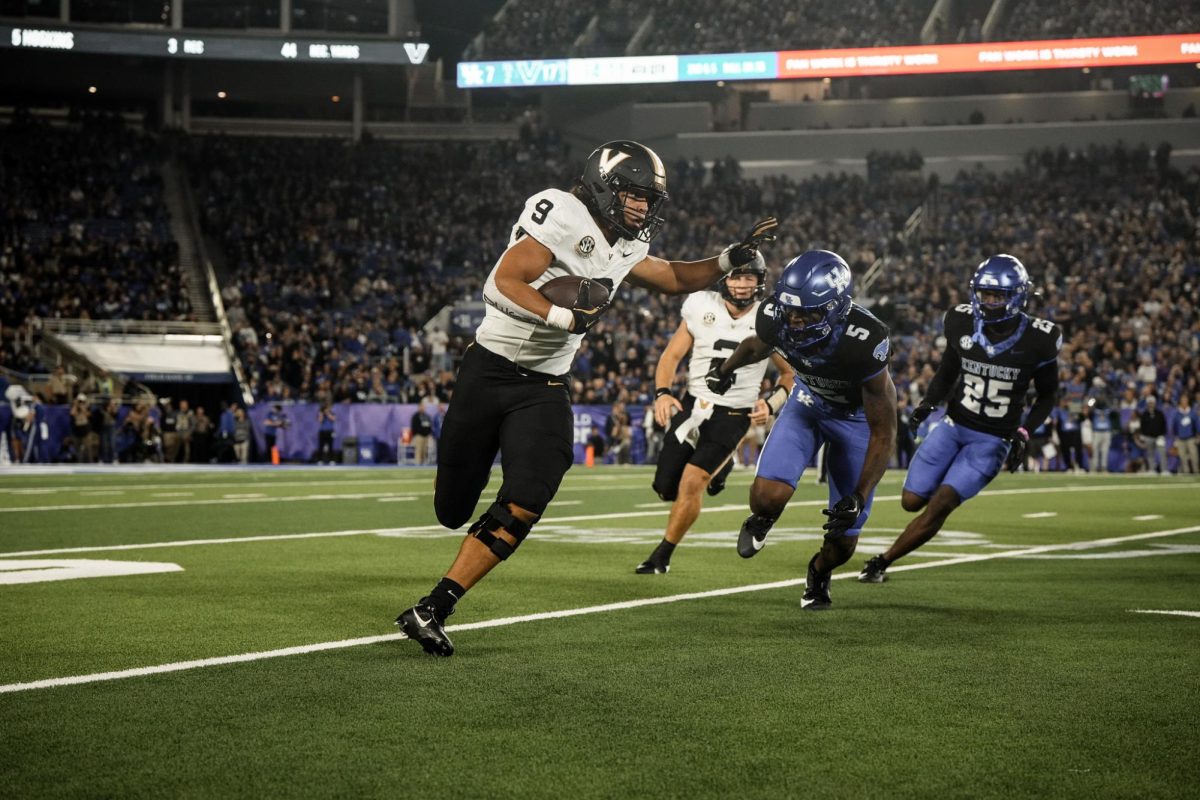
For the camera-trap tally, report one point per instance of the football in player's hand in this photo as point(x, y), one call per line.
point(573, 291)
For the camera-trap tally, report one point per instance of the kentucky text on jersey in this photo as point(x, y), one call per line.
point(991, 370)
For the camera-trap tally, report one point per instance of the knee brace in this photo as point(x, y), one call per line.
point(498, 516)
point(667, 493)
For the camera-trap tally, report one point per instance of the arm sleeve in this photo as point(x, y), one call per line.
point(944, 379)
point(764, 324)
point(1045, 382)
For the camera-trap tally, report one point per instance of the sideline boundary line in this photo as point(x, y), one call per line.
point(181, 666)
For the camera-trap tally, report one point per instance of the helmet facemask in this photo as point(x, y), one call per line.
point(619, 210)
point(999, 290)
point(756, 293)
point(806, 327)
point(620, 172)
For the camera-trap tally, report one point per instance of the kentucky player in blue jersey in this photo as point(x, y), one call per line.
point(843, 397)
point(993, 351)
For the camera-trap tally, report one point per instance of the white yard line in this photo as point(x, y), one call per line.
point(1040, 515)
point(1148, 517)
point(603, 488)
point(180, 666)
point(1169, 613)
point(230, 500)
point(660, 511)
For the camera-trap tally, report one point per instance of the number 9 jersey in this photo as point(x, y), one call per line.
point(994, 376)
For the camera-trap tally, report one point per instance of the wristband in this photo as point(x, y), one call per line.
point(559, 317)
point(660, 392)
point(776, 399)
point(723, 260)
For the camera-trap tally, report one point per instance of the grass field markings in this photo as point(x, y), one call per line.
point(418, 528)
point(173, 494)
point(1154, 550)
point(1148, 517)
point(44, 570)
point(403, 499)
point(222, 501)
point(74, 680)
point(1167, 612)
point(243, 496)
point(227, 485)
point(436, 531)
point(568, 503)
point(1040, 515)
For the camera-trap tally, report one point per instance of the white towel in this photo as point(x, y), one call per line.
point(689, 431)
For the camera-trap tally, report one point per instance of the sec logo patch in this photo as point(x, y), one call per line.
point(710, 318)
point(585, 247)
point(966, 343)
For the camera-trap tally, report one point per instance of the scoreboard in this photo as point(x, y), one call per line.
point(192, 45)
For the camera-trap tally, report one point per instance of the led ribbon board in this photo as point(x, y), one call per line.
point(1120, 51)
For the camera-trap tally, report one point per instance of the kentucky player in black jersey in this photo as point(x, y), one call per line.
point(843, 397)
point(993, 350)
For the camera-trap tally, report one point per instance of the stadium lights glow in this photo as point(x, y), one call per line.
point(337, 98)
point(92, 89)
point(221, 95)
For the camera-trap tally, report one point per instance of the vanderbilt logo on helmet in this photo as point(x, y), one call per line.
point(609, 159)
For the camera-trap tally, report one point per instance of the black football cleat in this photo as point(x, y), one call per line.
point(816, 590)
point(753, 535)
point(420, 623)
point(874, 571)
point(651, 567)
point(717, 484)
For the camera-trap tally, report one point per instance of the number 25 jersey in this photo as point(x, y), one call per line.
point(994, 376)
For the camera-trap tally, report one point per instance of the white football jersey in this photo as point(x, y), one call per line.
point(717, 335)
point(562, 223)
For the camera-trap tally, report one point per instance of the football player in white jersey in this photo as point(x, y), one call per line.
point(511, 394)
point(704, 429)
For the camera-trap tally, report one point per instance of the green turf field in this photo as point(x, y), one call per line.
point(1005, 660)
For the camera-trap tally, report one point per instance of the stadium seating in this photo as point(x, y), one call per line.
point(336, 256)
point(1064, 19)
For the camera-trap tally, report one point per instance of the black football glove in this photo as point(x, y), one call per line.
point(586, 318)
point(919, 415)
point(744, 252)
point(1016, 453)
point(842, 515)
point(718, 383)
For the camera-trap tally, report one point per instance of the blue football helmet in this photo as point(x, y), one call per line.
point(1004, 275)
point(817, 285)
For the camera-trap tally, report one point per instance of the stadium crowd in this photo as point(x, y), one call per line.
point(333, 271)
point(1065, 19)
point(83, 229)
point(528, 29)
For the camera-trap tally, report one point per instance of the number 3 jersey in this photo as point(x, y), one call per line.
point(834, 371)
point(562, 223)
point(994, 376)
point(716, 334)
